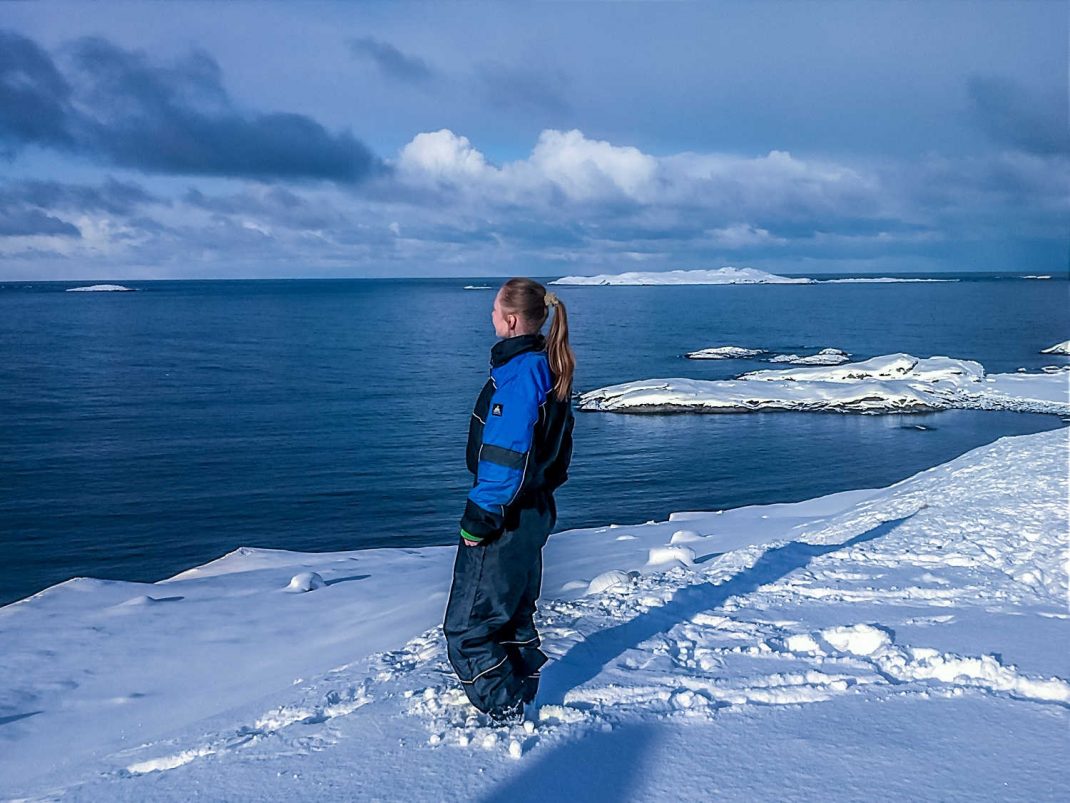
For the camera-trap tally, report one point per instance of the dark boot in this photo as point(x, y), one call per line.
point(507, 715)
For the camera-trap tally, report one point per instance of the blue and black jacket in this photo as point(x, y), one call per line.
point(519, 438)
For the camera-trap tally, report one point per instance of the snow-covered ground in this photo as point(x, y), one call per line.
point(726, 275)
point(101, 288)
point(898, 383)
point(907, 642)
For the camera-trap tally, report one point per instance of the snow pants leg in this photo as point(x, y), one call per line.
point(490, 629)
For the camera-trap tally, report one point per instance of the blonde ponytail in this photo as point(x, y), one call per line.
point(531, 301)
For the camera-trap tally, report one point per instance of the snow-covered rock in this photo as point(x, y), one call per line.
point(305, 581)
point(101, 288)
point(823, 357)
point(608, 580)
point(1058, 348)
point(724, 353)
point(726, 275)
point(893, 383)
point(889, 366)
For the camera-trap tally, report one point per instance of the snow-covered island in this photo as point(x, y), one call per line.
point(724, 353)
point(879, 280)
point(895, 383)
point(1058, 348)
point(726, 275)
point(101, 288)
point(823, 357)
point(909, 641)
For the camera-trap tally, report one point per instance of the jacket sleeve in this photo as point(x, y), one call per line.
point(557, 473)
point(503, 458)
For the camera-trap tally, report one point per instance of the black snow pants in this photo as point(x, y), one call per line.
point(490, 629)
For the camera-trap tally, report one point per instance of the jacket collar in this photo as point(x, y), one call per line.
point(505, 350)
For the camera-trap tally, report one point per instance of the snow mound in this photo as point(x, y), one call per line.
point(1058, 348)
point(305, 581)
point(684, 537)
point(726, 275)
point(857, 639)
point(101, 288)
point(143, 600)
point(724, 353)
point(610, 579)
point(674, 553)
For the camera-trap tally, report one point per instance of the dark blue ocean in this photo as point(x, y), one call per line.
point(147, 432)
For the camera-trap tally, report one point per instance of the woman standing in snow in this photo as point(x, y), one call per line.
point(519, 447)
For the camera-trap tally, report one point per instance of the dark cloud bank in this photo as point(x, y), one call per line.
point(116, 106)
point(390, 61)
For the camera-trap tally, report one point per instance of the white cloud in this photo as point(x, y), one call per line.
point(587, 169)
point(441, 155)
point(741, 235)
point(567, 166)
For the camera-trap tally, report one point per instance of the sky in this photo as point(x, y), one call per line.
point(263, 140)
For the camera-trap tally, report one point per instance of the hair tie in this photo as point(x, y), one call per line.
point(551, 299)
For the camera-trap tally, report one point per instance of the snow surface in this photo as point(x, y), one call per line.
point(1058, 348)
point(894, 383)
point(101, 288)
point(900, 643)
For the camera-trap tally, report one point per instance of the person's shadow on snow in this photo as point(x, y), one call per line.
point(587, 658)
point(604, 765)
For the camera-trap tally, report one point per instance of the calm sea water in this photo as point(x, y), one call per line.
point(144, 433)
